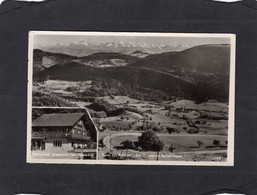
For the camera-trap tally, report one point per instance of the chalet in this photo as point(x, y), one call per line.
point(63, 132)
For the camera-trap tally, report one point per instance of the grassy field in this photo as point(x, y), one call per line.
point(181, 142)
point(119, 100)
point(208, 106)
point(59, 86)
point(156, 114)
point(185, 144)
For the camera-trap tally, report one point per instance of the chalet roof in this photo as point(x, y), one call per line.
point(57, 120)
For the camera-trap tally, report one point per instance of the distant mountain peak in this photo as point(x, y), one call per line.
point(115, 44)
point(83, 48)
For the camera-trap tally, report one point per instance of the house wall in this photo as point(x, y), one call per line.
point(78, 135)
point(79, 131)
point(66, 145)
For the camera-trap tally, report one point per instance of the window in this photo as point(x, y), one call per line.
point(80, 123)
point(57, 143)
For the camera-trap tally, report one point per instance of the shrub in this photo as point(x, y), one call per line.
point(172, 148)
point(200, 144)
point(170, 130)
point(139, 148)
point(71, 89)
point(197, 122)
point(216, 143)
point(192, 130)
point(128, 144)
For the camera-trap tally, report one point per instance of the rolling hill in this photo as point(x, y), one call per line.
point(199, 73)
point(203, 59)
point(131, 80)
point(104, 59)
point(43, 60)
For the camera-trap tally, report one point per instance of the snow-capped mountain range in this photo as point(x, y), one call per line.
point(82, 48)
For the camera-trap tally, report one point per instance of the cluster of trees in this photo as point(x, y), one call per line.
point(89, 93)
point(109, 109)
point(127, 144)
point(149, 85)
point(72, 89)
point(97, 114)
point(149, 141)
point(44, 99)
point(149, 94)
point(109, 86)
point(213, 116)
point(172, 130)
point(151, 126)
point(192, 128)
point(215, 143)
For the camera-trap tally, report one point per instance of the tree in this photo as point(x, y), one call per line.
point(200, 144)
point(216, 143)
point(156, 128)
point(158, 146)
point(172, 148)
point(170, 130)
point(148, 141)
point(192, 130)
point(127, 144)
point(185, 128)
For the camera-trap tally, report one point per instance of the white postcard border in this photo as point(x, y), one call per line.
point(231, 118)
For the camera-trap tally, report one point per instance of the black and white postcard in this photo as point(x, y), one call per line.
point(62, 133)
point(131, 98)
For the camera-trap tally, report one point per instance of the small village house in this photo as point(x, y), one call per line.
point(62, 133)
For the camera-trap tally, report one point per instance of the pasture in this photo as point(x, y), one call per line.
point(119, 100)
point(206, 106)
point(59, 86)
point(182, 143)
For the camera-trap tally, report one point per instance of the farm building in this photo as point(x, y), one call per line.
point(63, 133)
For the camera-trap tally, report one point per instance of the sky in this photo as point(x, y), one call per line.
point(160, 38)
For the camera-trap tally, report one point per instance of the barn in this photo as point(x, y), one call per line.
point(63, 132)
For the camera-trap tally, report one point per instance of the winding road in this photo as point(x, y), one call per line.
point(107, 141)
